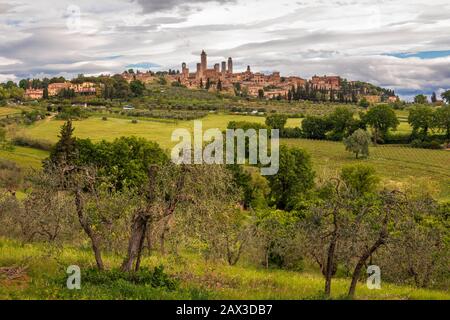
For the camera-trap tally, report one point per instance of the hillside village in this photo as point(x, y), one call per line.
point(248, 83)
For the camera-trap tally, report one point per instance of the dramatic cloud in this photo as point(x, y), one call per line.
point(151, 6)
point(400, 44)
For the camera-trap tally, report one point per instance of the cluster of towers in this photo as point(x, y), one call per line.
point(202, 72)
point(222, 76)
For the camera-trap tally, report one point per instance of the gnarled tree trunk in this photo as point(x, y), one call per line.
point(135, 243)
point(88, 230)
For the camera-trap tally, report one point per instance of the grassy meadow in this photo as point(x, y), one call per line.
point(24, 157)
point(396, 164)
point(44, 278)
point(13, 110)
point(158, 130)
point(6, 111)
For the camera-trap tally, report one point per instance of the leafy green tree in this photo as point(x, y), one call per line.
point(364, 103)
point(314, 127)
point(254, 187)
point(294, 178)
point(121, 88)
point(274, 230)
point(421, 119)
point(420, 99)
point(446, 96)
point(65, 150)
point(358, 143)
point(360, 178)
point(137, 88)
point(381, 118)
point(276, 121)
point(342, 122)
point(125, 161)
point(24, 83)
point(441, 120)
point(4, 94)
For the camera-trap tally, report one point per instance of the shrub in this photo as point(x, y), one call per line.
point(134, 121)
point(315, 127)
point(32, 143)
point(104, 118)
point(74, 113)
point(157, 278)
point(397, 138)
point(291, 133)
point(32, 116)
point(11, 176)
point(363, 103)
point(433, 144)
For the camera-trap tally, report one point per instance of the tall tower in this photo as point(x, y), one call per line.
point(230, 65)
point(204, 62)
point(184, 70)
point(199, 70)
point(224, 67)
point(217, 67)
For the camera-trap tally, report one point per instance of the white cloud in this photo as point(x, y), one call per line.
point(306, 37)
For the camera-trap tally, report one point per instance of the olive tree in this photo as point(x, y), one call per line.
point(358, 143)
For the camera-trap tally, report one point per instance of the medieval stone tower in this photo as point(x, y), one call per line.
point(204, 61)
point(230, 65)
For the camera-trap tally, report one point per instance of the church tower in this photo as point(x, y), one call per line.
point(204, 62)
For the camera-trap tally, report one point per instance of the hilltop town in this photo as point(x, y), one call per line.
point(221, 77)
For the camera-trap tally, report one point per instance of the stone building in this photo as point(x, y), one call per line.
point(84, 88)
point(34, 93)
point(55, 88)
point(144, 77)
point(326, 82)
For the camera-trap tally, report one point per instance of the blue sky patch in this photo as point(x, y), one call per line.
point(421, 54)
point(143, 65)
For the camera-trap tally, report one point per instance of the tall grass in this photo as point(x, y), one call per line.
point(197, 279)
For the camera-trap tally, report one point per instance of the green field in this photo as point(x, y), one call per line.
point(25, 157)
point(45, 277)
point(157, 130)
point(6, 111)
point(395, 164)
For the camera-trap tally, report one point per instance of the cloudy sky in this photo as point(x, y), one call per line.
point(401, 44)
